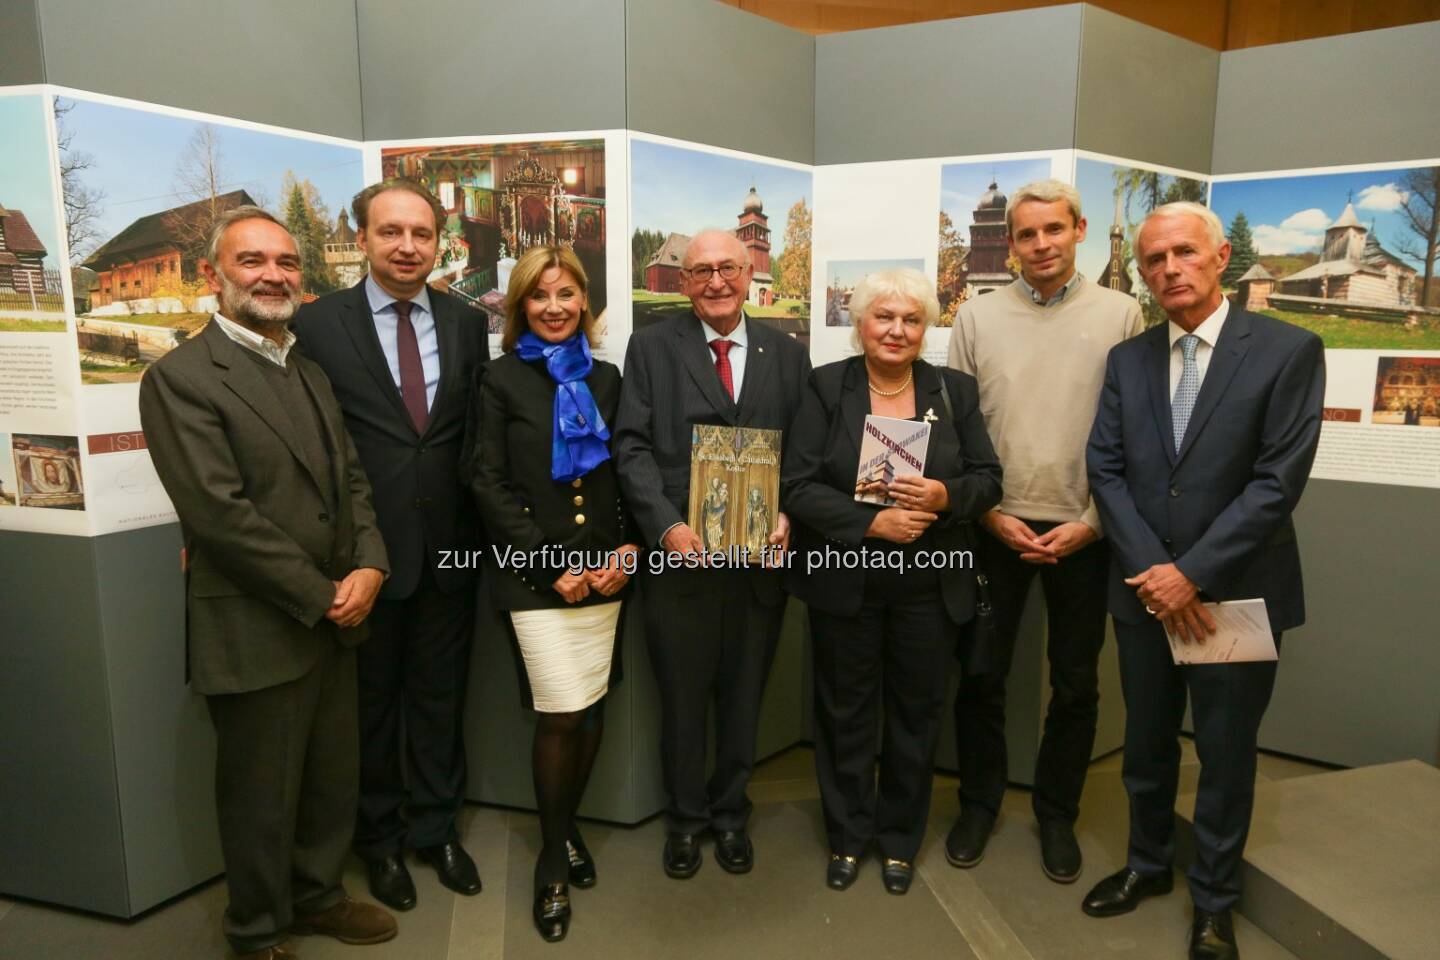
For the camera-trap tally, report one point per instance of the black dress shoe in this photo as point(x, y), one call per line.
point(897, 875)
point(456, 869)
point(1122, 892)
point(1212, 936)
point(682, 855)
point(734, 851)
point(582, 865)
point(965, 845)
point(1059, 853)
point(552, 911)
point(841, 872)
point(390, 882)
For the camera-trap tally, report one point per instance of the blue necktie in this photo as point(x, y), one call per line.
point(1187, 389)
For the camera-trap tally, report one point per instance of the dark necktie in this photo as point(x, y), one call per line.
point(412, 371)
point(722, 364)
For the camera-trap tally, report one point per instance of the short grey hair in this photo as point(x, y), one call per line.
point(1045, 191)
point(906, 282)
point(744, 250)
point(231, 217)
point(1184, 208)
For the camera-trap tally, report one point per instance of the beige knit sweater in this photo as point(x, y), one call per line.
point(1040, 371)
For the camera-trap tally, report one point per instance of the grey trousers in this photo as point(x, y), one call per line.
point(287, 776)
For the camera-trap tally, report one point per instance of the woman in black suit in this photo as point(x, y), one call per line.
point(546, 489)
point(888, 587)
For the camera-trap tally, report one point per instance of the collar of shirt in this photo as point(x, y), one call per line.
point(380, 299)
point(1209, 329)
point(256, 343)
point(1056, 297)
point(738, 336)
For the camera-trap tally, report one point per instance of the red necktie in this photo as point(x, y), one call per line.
point(412, 371)
point(722, 364)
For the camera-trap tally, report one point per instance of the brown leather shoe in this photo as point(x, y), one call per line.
point(277, 951)
point(349, 921)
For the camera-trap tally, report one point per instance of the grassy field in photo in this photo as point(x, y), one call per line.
point(1344, 333)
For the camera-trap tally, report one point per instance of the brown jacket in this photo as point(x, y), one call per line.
point(264, 547)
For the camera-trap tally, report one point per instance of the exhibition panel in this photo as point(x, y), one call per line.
point(643, 122)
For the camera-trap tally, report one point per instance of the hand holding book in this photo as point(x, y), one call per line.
point(919, 493)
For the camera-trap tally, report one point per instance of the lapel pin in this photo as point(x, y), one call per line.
point(930, 416)
point(759, 349)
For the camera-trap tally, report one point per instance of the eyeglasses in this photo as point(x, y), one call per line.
point(703, 273)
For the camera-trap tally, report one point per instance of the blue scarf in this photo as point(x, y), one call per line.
point(578, 444)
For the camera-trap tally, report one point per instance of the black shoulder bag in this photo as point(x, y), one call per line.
point(979, 641)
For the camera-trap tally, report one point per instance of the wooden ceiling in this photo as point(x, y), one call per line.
point(1219, 24)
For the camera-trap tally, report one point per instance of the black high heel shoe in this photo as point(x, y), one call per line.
point(582, 865)
point(552, 911)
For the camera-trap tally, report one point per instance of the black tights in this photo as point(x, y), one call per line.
point(561, 756)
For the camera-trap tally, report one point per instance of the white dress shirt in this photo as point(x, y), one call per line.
point(257, 343)
point(740, 338)
point(1209, 334)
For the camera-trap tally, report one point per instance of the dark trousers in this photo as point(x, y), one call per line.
point(413, 671)
point(286, 771)
point(1227, 701)
point(710, 639)
point(1075, 603)
point(902, 645)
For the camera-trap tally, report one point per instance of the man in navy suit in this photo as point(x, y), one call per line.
point(402, 360)
point(1202, 443)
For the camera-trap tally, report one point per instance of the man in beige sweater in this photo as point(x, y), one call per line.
point(1037, 349)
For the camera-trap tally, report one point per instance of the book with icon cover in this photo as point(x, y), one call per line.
point(734, 488)
point(889, 448)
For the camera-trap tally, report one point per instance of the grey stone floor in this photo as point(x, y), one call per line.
point(1003, 909)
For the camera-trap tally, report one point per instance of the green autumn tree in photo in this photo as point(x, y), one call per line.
point(643, 244)
point(308, 220)
point(1242, 250)
point(792, 270)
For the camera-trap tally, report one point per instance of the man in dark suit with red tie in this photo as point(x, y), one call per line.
point(711, 632)
point(1205, 434)
point(402, 358)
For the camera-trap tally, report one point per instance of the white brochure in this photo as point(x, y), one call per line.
point(1242, 633)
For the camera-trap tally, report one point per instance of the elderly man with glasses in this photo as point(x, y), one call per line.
point(711, 630)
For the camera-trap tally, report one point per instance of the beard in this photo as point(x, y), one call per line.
point(241, 305)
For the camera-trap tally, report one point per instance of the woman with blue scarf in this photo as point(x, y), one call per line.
point(545, 483)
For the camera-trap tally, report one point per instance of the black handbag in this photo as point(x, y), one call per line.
point(979, 644)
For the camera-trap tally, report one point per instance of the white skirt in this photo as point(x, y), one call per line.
point(567, 654)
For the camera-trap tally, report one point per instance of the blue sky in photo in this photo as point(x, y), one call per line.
point(961, 185)
point(26, 179)
point(677, 190)
point(1095, 179)
point(847, 273)
point(136, 153)
point(1290, 214)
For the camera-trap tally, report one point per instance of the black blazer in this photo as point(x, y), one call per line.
point(670, 384)
point(420, 503)
point(525, 510)
point(817, 484)
point(1220, 508)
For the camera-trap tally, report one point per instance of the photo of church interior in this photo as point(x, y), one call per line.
point(504, 198)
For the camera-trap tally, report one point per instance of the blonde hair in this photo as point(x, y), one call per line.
point(1046, 191)
point(525, 277)
point(904, 282)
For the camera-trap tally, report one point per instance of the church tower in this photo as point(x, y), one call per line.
point(989, 247)
point(1116, 276)
point(1345, 238)
point(754, 231)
